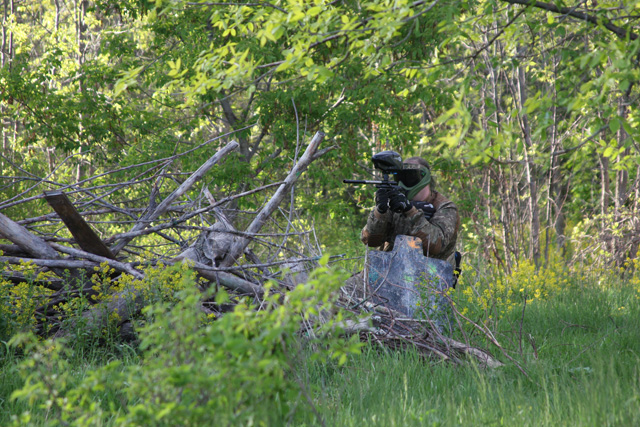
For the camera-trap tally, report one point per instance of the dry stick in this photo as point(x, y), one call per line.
point(253, 237)
point(144, 223)
point(116, 188)
point(132, 234)
point(75, 188)
point(49, 263)
point(260, 265)
point(479, 354)
point(53, 215)
point(487, 333)
point(120, 266)
point(40, 181)
point(150, 162)
point(293, 188)
point(242, 233)
point(237, 248)
point(226, 279)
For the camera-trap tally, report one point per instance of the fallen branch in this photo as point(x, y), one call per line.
point(166, 203)
point(238, 247)
point(117, 265)
point(25, 240)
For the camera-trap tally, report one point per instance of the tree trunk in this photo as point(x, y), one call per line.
point(534, 216)
point(80, 11)
point(622, 183)
point(604, 186)
point(6, 56)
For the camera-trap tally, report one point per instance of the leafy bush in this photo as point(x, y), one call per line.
point(240, 368)
point(18, 302)
point(490, 296)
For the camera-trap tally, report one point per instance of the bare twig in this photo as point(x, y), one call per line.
point(144, 223)
point(238, 248)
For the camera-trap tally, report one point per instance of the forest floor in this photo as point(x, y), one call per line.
point(580, 349)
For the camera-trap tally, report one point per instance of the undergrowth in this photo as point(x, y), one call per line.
point(193, 369)
point(573, 332)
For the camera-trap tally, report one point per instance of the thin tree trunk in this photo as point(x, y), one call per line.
point(553, 171)
point(6, 56)
point(622, 183)
point(534, 218)
point(502, 185)
point(80, 11)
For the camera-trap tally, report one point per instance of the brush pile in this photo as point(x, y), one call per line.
point(64, 251)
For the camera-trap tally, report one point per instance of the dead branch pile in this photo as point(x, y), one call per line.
point(66, 243)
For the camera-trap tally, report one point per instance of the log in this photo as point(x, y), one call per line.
point(125, 303)
point(16, 278)
point(29, 243)
point(130, 301)
point(85, 236)
point(13, 250)
point(228, 280)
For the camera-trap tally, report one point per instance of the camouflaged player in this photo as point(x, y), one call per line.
point(414, 209)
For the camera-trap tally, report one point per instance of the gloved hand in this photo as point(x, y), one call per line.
point(398, 202)
point(426, 208)
point(382, 198)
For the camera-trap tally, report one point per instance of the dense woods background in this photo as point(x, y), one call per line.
point(526, 110)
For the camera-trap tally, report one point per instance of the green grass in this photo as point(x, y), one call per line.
point(584, 372)
point(580, 349)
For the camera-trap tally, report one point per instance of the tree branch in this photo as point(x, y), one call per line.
point(237, 248)
point(144, 222)
point(568, 11)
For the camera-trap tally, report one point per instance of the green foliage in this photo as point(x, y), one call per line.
point(240, 368)
point(18, 302)
point(577, 342)
point(434, 79)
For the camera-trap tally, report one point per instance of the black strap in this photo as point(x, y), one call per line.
point(457, 271)
point(426, 208)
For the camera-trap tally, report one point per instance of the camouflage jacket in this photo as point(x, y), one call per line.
point(438, 235)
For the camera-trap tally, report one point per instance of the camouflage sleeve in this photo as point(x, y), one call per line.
point(376, 232)
point(440, 232)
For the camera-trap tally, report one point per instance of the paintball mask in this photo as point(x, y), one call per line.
point(413, 178)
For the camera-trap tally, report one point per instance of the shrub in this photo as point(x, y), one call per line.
point(196, 369)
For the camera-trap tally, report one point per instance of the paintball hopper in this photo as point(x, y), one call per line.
point(387, 161)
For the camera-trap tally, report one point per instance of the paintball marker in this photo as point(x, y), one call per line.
point(388, 162)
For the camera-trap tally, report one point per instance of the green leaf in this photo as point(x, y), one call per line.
point(285, 65)
point(314, 11)
point(614, 124)
point(608, 152)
